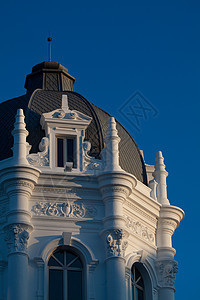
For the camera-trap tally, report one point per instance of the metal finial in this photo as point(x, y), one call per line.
point(49, 40)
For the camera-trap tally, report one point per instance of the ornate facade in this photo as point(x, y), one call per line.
point(80, 218)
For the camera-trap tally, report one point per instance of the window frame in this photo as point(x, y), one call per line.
point(134, 284)
point(65, 270)
point(65, 138)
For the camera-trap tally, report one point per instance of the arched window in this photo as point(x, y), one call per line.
point(65, 275)
point(137, 284)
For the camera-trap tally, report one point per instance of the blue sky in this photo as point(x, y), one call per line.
point(114, 48)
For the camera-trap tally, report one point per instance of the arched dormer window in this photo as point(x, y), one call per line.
point(137, 284)
point(65, 271)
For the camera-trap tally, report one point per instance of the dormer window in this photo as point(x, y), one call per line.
point(65, 130)
point(66, 151)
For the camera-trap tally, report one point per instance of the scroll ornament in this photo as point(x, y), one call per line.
point(64, 209)
point(40, 158)
point(89, 162)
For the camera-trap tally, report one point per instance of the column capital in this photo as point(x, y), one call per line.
point(116, 242)
point(166, 270)
point(16, 237)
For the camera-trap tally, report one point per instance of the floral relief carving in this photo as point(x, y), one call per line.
point(140, 229)
point(16, 236)
point(167, 270)
point(116, 243)
point(64, 209)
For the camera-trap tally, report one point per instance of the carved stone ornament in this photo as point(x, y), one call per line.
point(167, 270)
point(116, 243)
point(61, 114)
point(89, 162)
point(40, 158)
point(139, 229)
point(17, 236)
point(64, 209)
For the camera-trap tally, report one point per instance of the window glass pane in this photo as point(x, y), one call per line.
point(76, 264)
point(74, 285)
point(140, 283)
point(70, 150)
point(60, 162)
point(70, 257)
point(60, 256)
point(53, 262)
point(139, 294)
point(138, 276)
point(133, 296)
point(55, 285)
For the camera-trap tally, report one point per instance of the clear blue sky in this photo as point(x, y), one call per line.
point(114, 48)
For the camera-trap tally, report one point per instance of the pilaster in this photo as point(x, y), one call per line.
point(115, 186)
point(40, 277)
point(18, 179)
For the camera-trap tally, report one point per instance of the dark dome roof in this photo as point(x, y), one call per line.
point(43, 100)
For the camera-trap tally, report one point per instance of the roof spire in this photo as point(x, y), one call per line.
point(49, 40)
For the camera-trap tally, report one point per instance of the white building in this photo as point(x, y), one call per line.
point(82, 216)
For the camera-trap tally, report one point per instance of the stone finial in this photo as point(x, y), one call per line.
point(160, 175)
point(20, 133)
point(65, 106)
point(112, 147)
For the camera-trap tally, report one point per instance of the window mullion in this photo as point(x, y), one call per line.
point(135, 293)
point(65, 151)
point(65, 285)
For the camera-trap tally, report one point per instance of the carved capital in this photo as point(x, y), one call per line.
point(166, 270)
point(116, 242)
point(16, 236)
